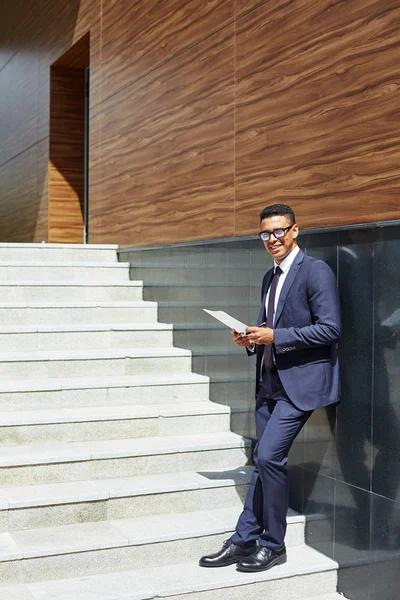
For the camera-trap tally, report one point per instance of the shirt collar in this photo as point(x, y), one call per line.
point(288, 261)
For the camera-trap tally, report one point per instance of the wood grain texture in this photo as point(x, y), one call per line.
point(78, 56)
point(138, 36)
point(167, 144)
point(66, 158)
point(245, 6)
point(64, 25)
point(318, 112)
point(33, 35)
point(204, 111)
point(95, 172)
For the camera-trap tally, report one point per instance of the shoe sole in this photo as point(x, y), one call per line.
point(225, 564)
point(278, 561)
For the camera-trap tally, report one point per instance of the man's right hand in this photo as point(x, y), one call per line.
point(241, 340)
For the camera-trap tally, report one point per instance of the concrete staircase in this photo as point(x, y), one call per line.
point(116, 471)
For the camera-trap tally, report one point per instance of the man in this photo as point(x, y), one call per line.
point(297, 371)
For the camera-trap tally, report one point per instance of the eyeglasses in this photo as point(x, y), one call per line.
point(278, 233)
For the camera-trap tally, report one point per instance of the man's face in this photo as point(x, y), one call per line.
point(279, 248)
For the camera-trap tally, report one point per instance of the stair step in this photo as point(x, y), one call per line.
point(60, 271)
point(116, 362)
point(111, 422)
point(334, 596)
point(57, 392)
point(51, 313)
point(48, 505)
point(77, 451)
point(111, 413)
point(96, 477)
point(123, 542)
point(58, 252)
point(98, 335)
point(317, 576)
point(77, 461)
point(62, 291)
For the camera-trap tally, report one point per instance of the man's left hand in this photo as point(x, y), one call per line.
point(260, 335)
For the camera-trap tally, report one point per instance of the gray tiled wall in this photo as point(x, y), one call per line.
point(345, 465)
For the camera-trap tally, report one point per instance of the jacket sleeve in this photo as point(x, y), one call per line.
point(323, 298)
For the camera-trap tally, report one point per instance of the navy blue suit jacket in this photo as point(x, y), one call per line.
point(306, 331)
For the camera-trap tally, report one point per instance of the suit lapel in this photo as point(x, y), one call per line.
point(262, 314)
point(291, 276)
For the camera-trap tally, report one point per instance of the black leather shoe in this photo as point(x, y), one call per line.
point(262, 559)
point(229, 554)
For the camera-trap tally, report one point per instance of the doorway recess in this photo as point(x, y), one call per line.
point(68, 145)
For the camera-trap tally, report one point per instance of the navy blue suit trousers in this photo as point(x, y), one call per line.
point(278, 422)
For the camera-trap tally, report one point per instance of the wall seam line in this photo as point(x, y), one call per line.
point(23, 151)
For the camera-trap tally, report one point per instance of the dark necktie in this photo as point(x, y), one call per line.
point(270, 316)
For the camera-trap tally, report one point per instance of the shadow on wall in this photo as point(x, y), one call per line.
point(221, 276)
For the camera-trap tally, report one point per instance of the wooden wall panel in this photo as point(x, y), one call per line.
point(298, 102)
point(78, 17)
point(33, 35)
point(318, 112)
point(66, 175)
point(138, 36)
point(244, 6)
point(95, 172)
point(77, 57)
point(167, 144)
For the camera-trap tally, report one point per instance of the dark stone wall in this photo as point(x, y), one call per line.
point(345, 465)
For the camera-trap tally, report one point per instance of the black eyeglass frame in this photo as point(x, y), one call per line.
point(284, 229)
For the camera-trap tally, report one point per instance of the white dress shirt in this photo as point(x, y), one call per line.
point(285, 266)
